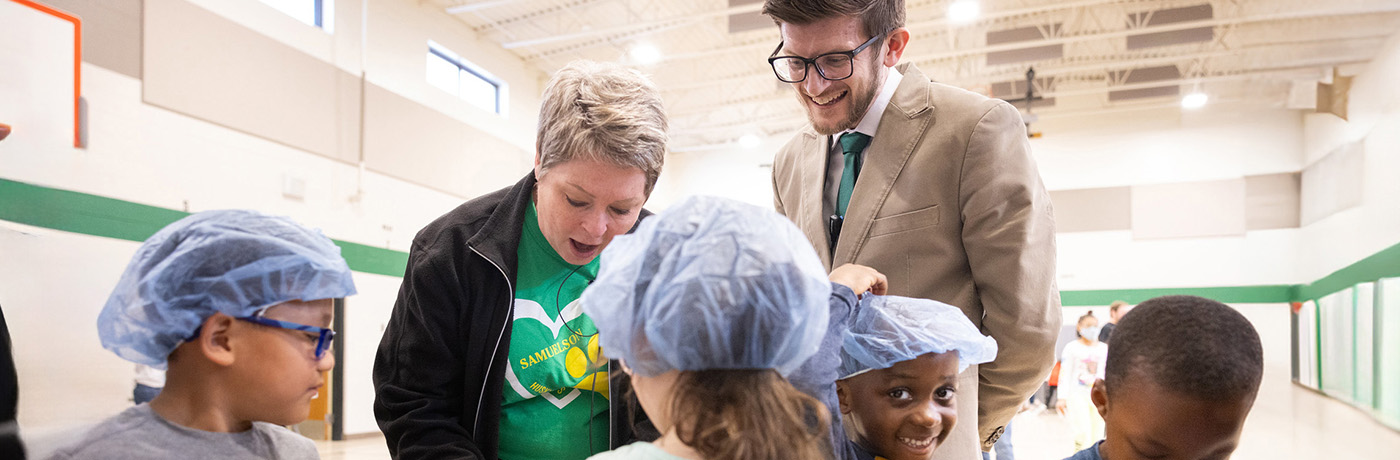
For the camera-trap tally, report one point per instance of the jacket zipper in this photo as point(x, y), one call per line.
point(510, 313)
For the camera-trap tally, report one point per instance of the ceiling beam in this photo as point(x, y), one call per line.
point(536, 17)
point(635, 27)
point(478, 6)
point(1387, 8)
point(1129, 63)
point(1067, 113)
point(1391, 7)
point(1305, 72)
point(1296, 70)
point(1110, 63)
point(769, 41)
point(913, 26)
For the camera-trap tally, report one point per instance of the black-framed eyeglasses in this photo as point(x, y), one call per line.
point(831, 66)
point(323, 336)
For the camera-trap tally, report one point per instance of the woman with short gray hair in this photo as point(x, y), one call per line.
point(486, 354)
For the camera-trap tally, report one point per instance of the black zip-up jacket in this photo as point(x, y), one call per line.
point(440, 368)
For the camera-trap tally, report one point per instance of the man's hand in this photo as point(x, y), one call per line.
point(860, 279)
point(4, 131)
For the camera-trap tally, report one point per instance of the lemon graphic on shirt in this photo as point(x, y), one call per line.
point(577, 361)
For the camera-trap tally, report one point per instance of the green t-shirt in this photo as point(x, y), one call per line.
point(555, 384)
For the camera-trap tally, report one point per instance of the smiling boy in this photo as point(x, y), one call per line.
point(900, 361)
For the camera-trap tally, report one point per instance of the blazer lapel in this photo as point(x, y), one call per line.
point(903, 124)
point(812, 167)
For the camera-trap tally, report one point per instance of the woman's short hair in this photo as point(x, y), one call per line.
point(604, 112)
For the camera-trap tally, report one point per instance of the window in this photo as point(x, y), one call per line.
point(312, 12)
point(455, 75)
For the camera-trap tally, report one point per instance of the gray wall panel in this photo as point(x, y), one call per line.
point(348, 107)
point(1189, 210)
point(1334, 183)
point(111, 32)
point(208, 67)
point(202, 65)
point(1183, 210)
point(410, 141)
point(1272, 201)
point(1092, 210)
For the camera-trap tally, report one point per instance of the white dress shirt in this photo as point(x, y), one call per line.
point(835, 163)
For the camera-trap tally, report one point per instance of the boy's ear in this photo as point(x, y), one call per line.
point(1099, 395)
point(842, 398)
point(214, 339)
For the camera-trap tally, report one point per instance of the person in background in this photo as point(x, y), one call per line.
point(1183, 373)
point(237, 306)
point(149, 381)
point(1081, 364)
point(1115, 312)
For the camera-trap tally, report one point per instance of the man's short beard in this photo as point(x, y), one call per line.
point(859, 104)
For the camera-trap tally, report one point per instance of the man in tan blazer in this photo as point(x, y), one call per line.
point(943, 198)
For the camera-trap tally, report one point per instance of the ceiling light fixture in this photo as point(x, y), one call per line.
point(645, 54)
point(1194, 100)
point(964, 11)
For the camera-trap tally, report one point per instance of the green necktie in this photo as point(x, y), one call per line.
point(852, 144)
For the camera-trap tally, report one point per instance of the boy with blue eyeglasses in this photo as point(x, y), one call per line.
point(237, 305)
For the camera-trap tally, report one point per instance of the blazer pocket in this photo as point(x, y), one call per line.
point(903, 222)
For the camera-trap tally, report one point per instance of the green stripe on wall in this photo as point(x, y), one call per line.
point(370, 259)
point(101, 216)
point(81, 213)
point(87, 214)
point(1238, 294)
point(1384, 264)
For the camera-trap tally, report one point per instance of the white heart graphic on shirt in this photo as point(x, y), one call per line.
point(526, 308)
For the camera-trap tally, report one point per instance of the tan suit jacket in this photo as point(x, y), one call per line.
point(950, 206)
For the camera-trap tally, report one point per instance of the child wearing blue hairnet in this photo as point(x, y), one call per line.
point(900, 364)
point(237, 306)
point(712, 306)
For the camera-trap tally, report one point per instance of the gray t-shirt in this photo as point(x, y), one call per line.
point(138, 433)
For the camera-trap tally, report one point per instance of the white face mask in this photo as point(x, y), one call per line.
point(1091, 332)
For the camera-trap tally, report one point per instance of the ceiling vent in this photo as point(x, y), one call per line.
point(745, 22)
point(1145, 75)
point(1014, 91)
point(1030, 53)
point(1171, 16)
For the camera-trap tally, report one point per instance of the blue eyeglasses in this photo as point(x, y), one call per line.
point(323, 335)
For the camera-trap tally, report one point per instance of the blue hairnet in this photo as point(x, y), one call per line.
point(710, 284)
point(234, 262)
point(890, 329)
